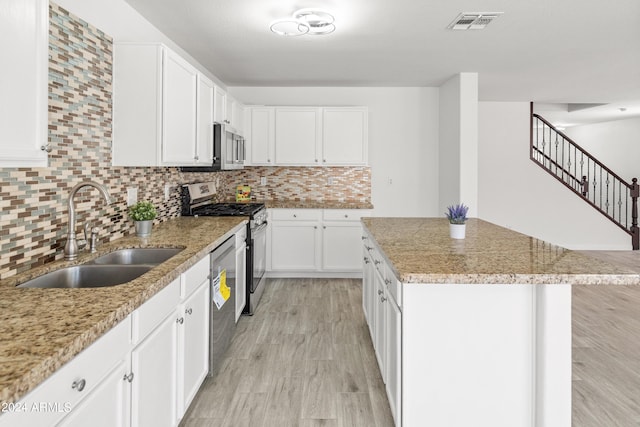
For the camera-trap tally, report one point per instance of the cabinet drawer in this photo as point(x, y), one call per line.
point(62, 391)
point(152, 312)
point(194, 276)
point(296, 214)
point(344, 214)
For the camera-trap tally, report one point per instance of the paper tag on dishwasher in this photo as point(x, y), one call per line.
point(221, 292)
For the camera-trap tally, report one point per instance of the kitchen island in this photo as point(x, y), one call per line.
point(474, 331)
point(43, 329)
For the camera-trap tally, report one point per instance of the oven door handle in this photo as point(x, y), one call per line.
point(260, 228)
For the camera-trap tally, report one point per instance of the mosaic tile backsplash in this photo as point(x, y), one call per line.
point(33, 225)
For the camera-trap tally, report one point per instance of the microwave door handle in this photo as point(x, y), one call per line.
point(244, 150)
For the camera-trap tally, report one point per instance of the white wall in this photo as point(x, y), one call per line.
point(615, 143)
point(124, 24)
point(516, 193)
point(403, 139)
point(458, 149)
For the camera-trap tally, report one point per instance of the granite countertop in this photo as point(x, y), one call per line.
point(311, 204)
point(42, 329)
point(420, 250)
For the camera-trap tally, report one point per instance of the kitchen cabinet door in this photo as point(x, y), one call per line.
point(241, 279)
point(341, 246)
point(295, 245)
point(153, 363)
point(107, 405)
point(344, 135)
point(379, 324)
point(193, 357)
point(178, 110)
point(368, 285)
point(393, 359)
point(204, 146)
point(24, 42)
point(219, 105)
point(262, 136)
point(298, 136)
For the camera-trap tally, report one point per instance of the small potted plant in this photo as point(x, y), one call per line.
point(143, 213)
point(457, 216)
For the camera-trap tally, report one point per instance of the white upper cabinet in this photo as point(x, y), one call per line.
point(220, 105)
point(204, 145)
point(163, 108)
point(344, 135)
point(298, 135)
point(234, 115)
point(180, 81)
point(261, 136)
point(308, 136)
point(24, 42)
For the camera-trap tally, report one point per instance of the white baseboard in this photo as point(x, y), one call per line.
point(314, 274)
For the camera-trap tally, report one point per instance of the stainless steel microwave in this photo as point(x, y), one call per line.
point(229, 152)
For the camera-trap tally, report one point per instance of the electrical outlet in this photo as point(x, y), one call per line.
point(132, 196)
point(167, 191)
point(263, 180)
point(330, 181)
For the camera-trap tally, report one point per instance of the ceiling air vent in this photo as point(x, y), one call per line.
point(473, 20)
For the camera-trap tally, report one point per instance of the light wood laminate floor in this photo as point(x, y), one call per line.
point(606, 349)
point(304, 359)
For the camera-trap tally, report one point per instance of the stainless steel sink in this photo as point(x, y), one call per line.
point(88, 276)
point(137, 256)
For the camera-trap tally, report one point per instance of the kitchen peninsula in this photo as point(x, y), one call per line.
point(474, 331)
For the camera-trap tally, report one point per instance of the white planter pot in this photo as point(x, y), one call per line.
point(143, 228)
point(457, 231)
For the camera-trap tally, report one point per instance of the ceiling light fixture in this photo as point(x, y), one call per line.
point(305, 21)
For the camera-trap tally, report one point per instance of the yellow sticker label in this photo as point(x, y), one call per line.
point(225, 291)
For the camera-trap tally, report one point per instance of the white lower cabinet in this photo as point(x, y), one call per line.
point(381, 301)
point(107, 405)
point(153, 364)
point(241, 278)
point(318, 241)
point(193, 350)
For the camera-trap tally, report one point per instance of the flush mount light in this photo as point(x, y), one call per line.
point(289, 27)
point(305, 21)
point(319, 21)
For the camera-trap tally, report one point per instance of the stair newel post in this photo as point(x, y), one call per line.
point(635, 231)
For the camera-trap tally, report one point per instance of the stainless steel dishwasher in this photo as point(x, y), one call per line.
point(223, 302)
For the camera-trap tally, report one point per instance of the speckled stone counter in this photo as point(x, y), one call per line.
point(421, 251)
point(313, 204)
point(42, 329)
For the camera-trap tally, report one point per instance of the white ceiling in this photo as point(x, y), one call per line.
point(540, 50)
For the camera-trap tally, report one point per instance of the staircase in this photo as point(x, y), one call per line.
point(587, 177)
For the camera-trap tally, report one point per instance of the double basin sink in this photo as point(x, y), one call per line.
point(114, 268)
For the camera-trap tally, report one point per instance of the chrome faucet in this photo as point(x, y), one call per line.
point(71, 247)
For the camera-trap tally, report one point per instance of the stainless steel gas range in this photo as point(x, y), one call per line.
point(196, 201)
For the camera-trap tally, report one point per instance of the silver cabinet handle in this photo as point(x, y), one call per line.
point(268, 160)
point(324, 227)
point(324, 160)
point(368, 247)
point(363, 237)
point(316, 160)
point(376, 262)
point(47, 148)
point(295, 216)
point(382, 299)
point(128, 378)
point(366, 260)
point(315, 227)
point(346, 216)
point(387, 281)
point(79, 384)
point(190, 310)
point(180, 320)
point(380, 292)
